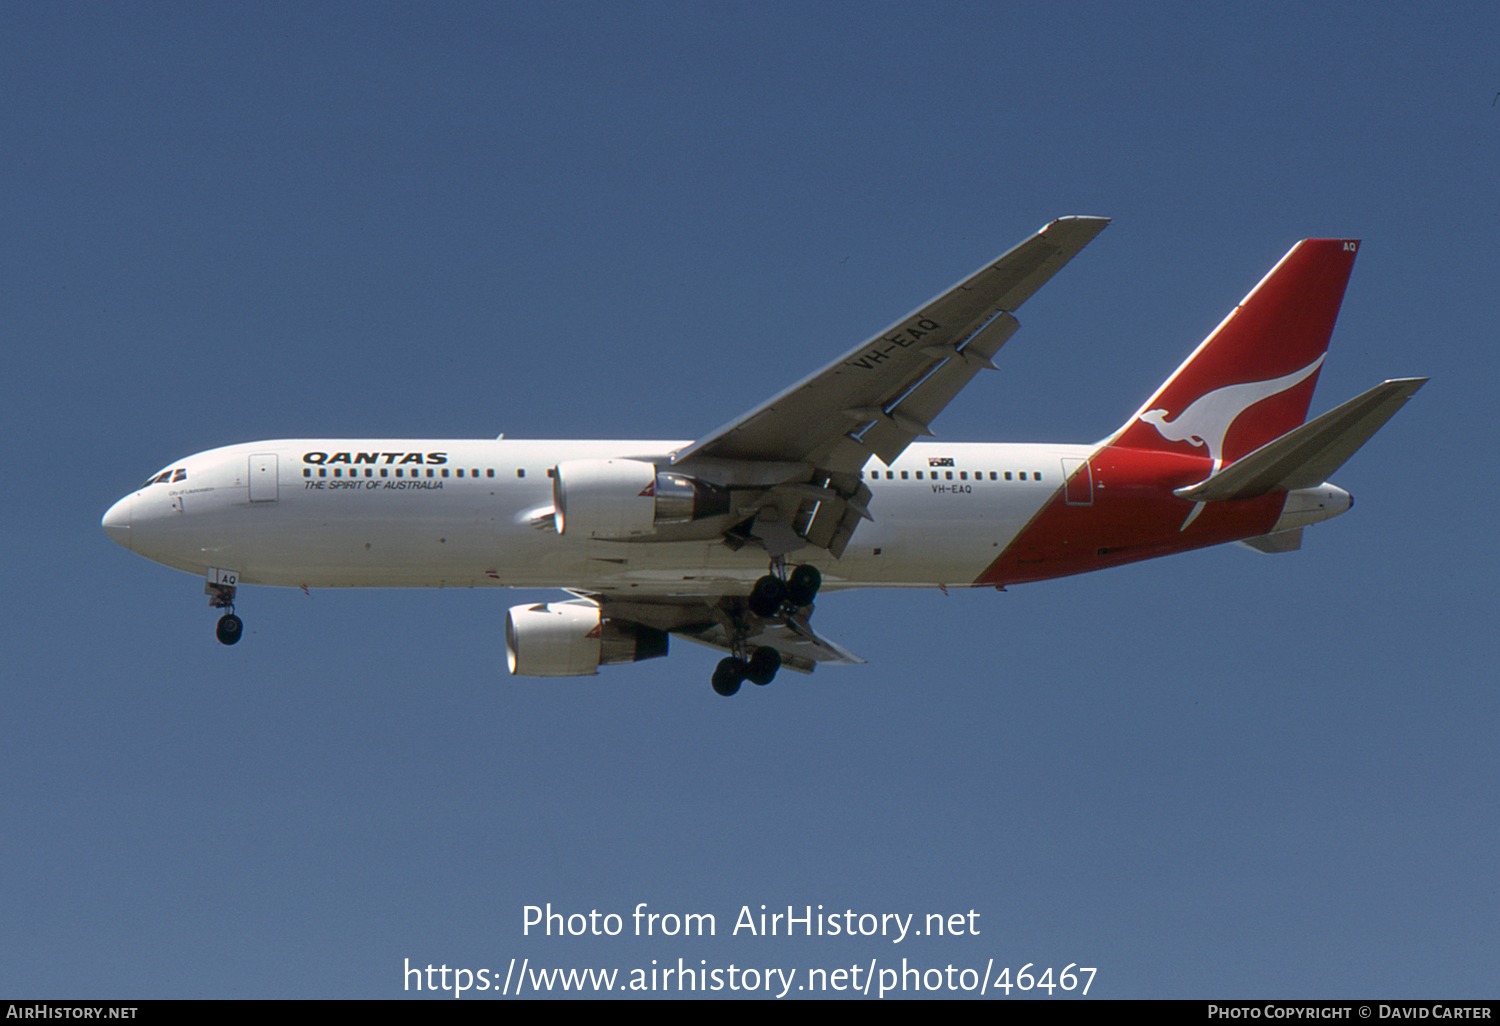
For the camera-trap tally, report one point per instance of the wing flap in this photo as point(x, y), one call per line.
point(891, 430)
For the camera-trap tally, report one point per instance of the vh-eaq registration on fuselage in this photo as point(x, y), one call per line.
point(728, 539)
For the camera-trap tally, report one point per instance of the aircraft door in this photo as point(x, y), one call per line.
point(1079, 490)
point(263, 487)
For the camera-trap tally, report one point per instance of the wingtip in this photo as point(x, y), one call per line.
point(1076, 224)
point(1411, 385)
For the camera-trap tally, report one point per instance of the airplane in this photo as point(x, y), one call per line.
point(728, 540)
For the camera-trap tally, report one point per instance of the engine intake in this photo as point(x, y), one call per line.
point(628, 498)
point(573, 639)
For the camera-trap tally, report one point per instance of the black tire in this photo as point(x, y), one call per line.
point(802, 587)
point(728, 676)
point(767, 596)
point(764, 662)
point(229, 629)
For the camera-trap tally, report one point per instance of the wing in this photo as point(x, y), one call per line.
point(797, 456)
point(882, 394)
point(718, 623)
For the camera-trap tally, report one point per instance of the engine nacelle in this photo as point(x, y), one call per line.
point(628, 498)
point(572, 639)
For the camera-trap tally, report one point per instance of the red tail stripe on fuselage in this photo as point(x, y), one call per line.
point(1134, 516)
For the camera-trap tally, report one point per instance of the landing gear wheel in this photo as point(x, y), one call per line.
point(728, 675)
point(767, 596)
point(802, 586)
point(764, 663)
point(229, 629)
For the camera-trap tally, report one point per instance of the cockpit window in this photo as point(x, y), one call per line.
point(179, 474)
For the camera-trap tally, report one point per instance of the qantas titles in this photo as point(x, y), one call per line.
point(320, 459)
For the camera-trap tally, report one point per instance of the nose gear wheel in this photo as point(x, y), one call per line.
point(229, 629)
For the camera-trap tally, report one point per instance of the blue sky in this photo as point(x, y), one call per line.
point(1219, 774)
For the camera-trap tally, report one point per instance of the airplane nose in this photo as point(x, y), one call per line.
point(116, 522)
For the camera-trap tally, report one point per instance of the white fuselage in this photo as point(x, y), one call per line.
point(465, 513)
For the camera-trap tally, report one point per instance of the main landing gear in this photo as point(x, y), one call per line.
point(772, 595)
point(772, 592)
point(760, 669)
point(229, 627)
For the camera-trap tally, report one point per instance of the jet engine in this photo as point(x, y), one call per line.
point(628, 498)
point(573, 639)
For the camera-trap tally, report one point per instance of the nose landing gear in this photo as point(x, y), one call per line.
point(220, 588)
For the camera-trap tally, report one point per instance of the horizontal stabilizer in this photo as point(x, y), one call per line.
point(1307, 456)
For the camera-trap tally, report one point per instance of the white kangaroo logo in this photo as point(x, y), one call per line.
point(1209, 418)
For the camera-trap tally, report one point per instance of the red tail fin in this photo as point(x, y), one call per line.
point(1252, 379)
